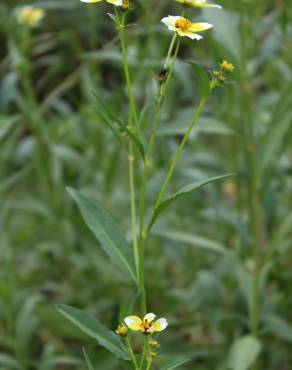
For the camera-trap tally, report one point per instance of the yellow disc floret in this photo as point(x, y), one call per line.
point(30, 16)
point(122, 330)
point(227, 66)
point(183, 24)
point(147, 325)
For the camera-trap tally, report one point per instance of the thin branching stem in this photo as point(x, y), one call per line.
point(131, 155)
point(159, 101)
point(132, 354)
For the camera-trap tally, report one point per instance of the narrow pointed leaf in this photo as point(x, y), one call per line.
point(108, 123)
point(244, 352)
point(107, 232)
point(87, 359)
point(112, 116)
point(277, 325)
point(95, 329)
point(195, 241)
point(204, 82)
point(174, 364)
point(185, 190)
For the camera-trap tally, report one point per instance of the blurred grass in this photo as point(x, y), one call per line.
point(51, 136)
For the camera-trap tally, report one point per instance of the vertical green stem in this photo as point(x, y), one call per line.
point(254, 208)
point(144, 353)
point(132, 354)
point(159, 100)
point(127, 73)
point(178, 152)
point(131, 156)
point(149, 363)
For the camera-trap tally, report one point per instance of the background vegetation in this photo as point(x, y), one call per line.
point(200, 261)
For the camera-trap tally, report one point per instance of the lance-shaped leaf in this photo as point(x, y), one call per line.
point(183, 191)
point(244, 352)
point(204, 82)
point(87, 359)
point(107, 232)
point(95, 329)
point(196, 241)
point(113, 117)
point(174, 364)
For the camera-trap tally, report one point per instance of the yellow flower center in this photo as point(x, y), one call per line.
point(226, 66)
point(183, 24)
point(145, 326)
point(122, 330)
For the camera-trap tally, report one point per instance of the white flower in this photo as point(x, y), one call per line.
point(185, 27)
point(114, 2)
point(198, 4)
point(147, 325)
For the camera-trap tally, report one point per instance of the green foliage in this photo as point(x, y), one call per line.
point(183, 191)
point(244, 352)
point(95, 329)
point(174, 364)
point(107, 232)
point(204, 82)
point(200, 260)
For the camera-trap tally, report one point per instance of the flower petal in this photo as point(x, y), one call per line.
point(115, 2)
point(170, 21)
point(149, 317)
point(197, 27)
point(91, 1)
point(160, 324)
point(204, 4)
point(193, 36)
point(133, 322)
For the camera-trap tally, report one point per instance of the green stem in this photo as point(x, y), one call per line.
point(131, 156)
point(179, 151)
point(127, 73)
point(149, 364)
point(253, 188)
point(170, 49)
point(159, 101)
point(132, 354)
point(144, 353)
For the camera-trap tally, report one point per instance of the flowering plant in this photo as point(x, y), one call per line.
point(139, 145)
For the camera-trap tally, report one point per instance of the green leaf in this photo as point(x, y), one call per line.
point(107, 232)
point(227, 35)
point(113, 117)
point(203, 78)
point(282, 231)
point(278, 326)
point(279, 124)
point(244, 352)
point(14, 179)
point(183, 191)
point(95, 329)
point(193, 240)
point(87, 359)
point(174, 364)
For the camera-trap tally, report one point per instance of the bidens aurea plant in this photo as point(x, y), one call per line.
point(139, 144)
point(146, 325)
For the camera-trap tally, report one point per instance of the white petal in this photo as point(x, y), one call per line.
point(202, 26)
point(133, 322)
point(170, 20)
point(115, 2)
point(149, 317)
point(160, 324)
point(91, 1)
point(193, 36)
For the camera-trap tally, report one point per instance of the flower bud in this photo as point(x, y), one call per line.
point(122, 330)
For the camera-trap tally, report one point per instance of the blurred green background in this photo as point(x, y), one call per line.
point(52, 136)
